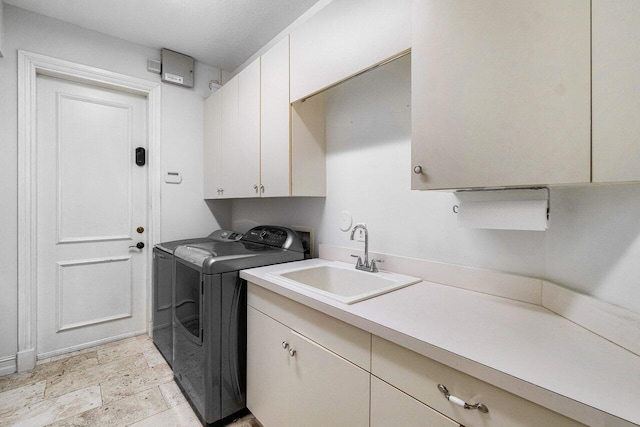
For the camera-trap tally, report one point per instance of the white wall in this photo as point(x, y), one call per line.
point(592, 245)
point(1, 28)
point(181, 136)
point(593, 242)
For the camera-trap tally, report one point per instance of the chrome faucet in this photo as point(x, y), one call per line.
point(366, 266)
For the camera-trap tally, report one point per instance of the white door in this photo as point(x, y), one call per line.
point(91, 198)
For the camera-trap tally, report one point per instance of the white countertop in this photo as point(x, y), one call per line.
point(520, 347)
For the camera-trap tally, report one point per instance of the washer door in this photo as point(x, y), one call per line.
point(187, 301)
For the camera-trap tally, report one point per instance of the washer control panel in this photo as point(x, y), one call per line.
point(270, 235)
point(225, 236)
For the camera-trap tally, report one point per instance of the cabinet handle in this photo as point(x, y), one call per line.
point(292, 352)
point(261, 188)
point(417, 170)
point(457, 401)
point(285, 344)
point(255, 187)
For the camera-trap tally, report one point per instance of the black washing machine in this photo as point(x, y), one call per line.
point(162, 287)
point(209, 316)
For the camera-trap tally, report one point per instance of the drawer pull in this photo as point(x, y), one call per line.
point(457, 401)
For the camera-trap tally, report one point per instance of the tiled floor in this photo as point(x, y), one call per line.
point(124, 383)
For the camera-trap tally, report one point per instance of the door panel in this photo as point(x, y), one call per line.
point(229, 136)
point(94, 197)
point(91, 286)
point(275, 121)
point(500, 99)
point(244, 177)
point(110, 288)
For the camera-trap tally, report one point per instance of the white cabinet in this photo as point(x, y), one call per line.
point(219, 142)
point(244, 167)
point(392, 407)
point(275, 110)
point(344, 38)
point(419, 377)
point(291, 380)
point(500, 93)
point(267, 369)
point(616, 90)
point(255, 143)
point(212, 143)
point(232, 137)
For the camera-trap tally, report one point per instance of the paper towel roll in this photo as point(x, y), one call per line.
point(504, 215)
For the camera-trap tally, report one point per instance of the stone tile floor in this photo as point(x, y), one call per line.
point(123, 383)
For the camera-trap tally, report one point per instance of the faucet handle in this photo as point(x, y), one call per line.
point(374, 266)
point(359, 262)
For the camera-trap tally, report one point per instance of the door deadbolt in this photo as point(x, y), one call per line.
point(140, 230)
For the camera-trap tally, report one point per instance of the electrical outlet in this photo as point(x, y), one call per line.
point(360, 235)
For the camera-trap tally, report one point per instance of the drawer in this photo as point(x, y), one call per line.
point(346, 340)
point(419, 376)
point(391, 407)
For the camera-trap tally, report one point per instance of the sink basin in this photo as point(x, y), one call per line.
point(345, 284)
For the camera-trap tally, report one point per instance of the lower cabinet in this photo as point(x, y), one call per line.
point(420, 376)
point(305, 368)
point(293, 381)
point(391, 407)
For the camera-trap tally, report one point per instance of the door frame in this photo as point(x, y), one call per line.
point(29, 66)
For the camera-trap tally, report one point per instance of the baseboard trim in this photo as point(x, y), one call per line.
point(26, 360)
point(83, 346)
point(7, 365)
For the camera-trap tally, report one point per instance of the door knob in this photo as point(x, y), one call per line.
point(138, 245)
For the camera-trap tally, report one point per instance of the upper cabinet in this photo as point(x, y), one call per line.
point(344, 38)
point(255, 143)
point(244, 162)
point(212, 144)
point(1, 28)
point(232, 137)
point(500, 93)
point(616, 90)
point(276, 118)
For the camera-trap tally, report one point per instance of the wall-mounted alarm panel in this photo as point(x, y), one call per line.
point(177, 68)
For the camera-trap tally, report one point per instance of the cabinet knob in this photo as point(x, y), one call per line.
point(285, 344)
point(417, 170)
point(292, 352)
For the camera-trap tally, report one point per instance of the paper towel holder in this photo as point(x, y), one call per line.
point(456, 207)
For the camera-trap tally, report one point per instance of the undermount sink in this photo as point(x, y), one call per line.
point(345, 284)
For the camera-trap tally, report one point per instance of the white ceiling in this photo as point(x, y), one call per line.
point(221, 33)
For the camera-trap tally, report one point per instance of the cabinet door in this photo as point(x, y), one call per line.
point(267, 369)
point(344, 38)
point(419, 377)
point(244, 166)
point(229, 135)
point(391, 407)
point(500, 93)
point(275, 123)
point(212, 140)
point(616, 90)
point(325, 389)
